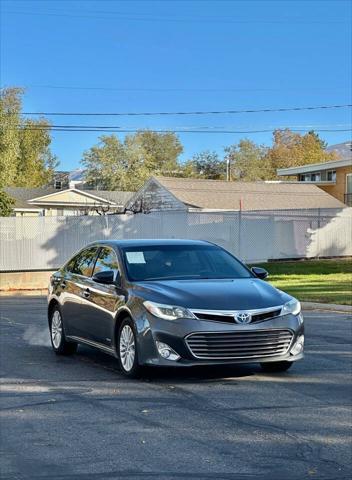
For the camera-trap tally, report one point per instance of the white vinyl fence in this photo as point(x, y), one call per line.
point(39, 243)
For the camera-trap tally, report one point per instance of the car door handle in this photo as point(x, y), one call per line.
point(86, 293)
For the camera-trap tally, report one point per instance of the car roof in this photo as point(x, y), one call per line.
point(149, 242)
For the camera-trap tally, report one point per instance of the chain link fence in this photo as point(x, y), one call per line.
point(44, 243)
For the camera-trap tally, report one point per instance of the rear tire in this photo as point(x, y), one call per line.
point(57, 334)
point(127, 349)
point(276, 366)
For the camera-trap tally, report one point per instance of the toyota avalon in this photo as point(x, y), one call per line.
point(172, 303)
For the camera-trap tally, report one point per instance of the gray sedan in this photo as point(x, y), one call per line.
point(172, 303)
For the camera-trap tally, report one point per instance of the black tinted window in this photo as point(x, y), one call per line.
point(181, 262)
point(107, 260)
point(83, 263)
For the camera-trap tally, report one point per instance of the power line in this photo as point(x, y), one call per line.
point(73, 128)
point(214, 112)
point(187, 127)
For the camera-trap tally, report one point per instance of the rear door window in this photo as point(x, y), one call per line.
point(82, 264)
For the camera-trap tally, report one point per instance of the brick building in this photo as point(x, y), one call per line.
point(333, 177)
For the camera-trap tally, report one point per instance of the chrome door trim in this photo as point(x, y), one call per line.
point(92, 343)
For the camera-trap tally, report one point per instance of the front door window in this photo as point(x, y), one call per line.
point(106, 261)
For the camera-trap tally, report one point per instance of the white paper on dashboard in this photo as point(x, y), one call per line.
point(135, 257)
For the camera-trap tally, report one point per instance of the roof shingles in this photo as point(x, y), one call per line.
point(221, 195)
point(22, 196)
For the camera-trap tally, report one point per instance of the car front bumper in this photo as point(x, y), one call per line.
point(176, 334)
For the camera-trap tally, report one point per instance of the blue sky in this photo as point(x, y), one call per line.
point(135, 56)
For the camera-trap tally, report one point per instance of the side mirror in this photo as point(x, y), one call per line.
point(260, 272)
point(106, 277)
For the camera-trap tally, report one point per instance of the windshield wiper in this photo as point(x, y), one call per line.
point(180, 277)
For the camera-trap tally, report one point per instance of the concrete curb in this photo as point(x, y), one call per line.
point(329, 307)
point(38, 292)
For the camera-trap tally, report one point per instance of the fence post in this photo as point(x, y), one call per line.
point(318, 234)
point(239, 233)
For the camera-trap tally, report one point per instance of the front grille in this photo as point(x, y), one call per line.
point(232, 345)
point(256, 317)
point(265, 316)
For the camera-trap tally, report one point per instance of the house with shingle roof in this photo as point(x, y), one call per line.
point(71, 201)
point(334, 177)
point(171, 193)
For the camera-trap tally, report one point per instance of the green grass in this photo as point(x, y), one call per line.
point(323, 281)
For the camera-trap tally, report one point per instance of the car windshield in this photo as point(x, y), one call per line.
point(181, 262)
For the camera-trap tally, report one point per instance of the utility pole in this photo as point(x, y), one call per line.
point(228, 168)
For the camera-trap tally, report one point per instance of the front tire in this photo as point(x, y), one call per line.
point(274, 367)
point(57, 335)
point(127, 349)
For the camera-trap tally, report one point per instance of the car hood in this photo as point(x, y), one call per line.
point(222, 294)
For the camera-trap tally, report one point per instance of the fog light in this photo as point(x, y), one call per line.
point(167, 352)
point(298, 346)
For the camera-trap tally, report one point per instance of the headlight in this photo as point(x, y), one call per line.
point(167, 312)
point(293, 307)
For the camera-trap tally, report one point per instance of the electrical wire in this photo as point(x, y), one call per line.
point(214, 112)
point(73, 128)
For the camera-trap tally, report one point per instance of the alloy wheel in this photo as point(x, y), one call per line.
point(56, 329)
point(127, 348)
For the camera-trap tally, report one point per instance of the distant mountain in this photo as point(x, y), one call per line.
point(77, 175)
point(344, 150)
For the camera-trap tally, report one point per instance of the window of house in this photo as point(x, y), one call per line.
point(305, 177)
point(58, 184)
point(331, 176)
point(107, 260)
point(315, 177)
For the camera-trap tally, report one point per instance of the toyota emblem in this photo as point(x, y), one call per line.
point(243, 317)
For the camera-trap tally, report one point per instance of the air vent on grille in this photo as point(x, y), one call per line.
point(257, 317)
point(232, 345)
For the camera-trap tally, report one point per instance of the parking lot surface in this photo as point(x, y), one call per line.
point(79, 418)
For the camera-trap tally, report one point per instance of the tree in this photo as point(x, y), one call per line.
point(25, 157)
point(37, 163)
point(161, 150)
point(251, 162)
point(6, 204)
point(321, 142)
point(206, 164)
point(247, 161)
point(10, 106)
point(116, 165)
point(292, 149)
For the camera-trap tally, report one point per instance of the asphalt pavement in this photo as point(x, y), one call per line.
point(78, 418)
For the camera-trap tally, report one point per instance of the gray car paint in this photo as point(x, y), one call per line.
point(95, 320)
